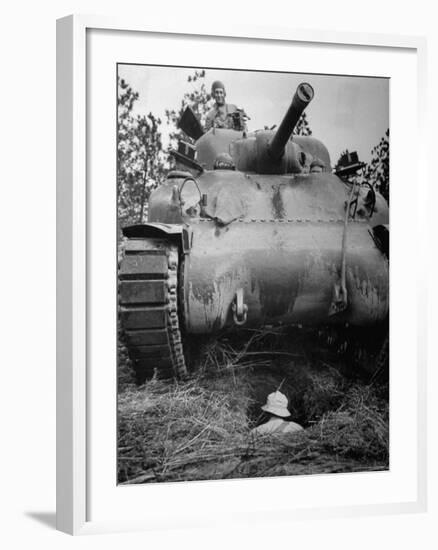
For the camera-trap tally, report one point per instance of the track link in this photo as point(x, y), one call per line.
point(148, 307)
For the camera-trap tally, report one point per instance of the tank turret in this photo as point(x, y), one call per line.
point(274, 152)
point(263, 151)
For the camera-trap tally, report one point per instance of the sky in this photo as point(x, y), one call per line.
point(346, 112)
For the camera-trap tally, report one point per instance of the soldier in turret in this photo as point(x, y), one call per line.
point(348, 165)
point(223, 115)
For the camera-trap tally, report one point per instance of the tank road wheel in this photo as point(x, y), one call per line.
point(148, 286)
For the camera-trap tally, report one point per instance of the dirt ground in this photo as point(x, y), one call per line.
point(200, 428)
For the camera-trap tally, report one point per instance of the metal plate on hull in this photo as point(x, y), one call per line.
point(287, 270)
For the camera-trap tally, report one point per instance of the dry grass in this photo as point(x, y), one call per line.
point(200, 428)
point(163, 430)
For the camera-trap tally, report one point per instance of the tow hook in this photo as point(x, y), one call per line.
point(239, 308)
point(339, 300)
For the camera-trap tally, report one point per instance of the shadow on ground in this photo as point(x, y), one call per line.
point(46, 518)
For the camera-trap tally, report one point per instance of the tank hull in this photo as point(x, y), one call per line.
point(287, 272)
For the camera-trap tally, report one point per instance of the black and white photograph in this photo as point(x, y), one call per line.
point(253, 273)
point(227, 348)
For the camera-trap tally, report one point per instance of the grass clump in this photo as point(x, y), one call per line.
point(359, 428)
point(172, 431)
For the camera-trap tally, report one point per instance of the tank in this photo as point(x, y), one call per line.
point(253, 229)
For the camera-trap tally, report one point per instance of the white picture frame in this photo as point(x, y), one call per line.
point(76, 211)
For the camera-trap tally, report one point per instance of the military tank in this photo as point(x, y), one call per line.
point(246, 234)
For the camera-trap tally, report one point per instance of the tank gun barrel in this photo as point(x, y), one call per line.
point(302, 97)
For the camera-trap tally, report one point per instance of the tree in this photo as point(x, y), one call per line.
point(376, 172)
point(198, 99)
point(303, 127)
point(141, 160)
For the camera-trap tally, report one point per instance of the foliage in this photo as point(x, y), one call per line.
point(303, 127)
point(376, 172)
point(140, 157)
point(198, 99)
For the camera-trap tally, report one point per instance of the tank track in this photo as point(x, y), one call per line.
point(148, 307)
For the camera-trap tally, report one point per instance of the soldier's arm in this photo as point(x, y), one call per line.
point(209, 121)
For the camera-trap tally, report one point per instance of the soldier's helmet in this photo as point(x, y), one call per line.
point(218, 84)
point(348, 164)
point(277, 403)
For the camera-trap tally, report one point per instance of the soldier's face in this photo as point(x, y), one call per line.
point(219, 96)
